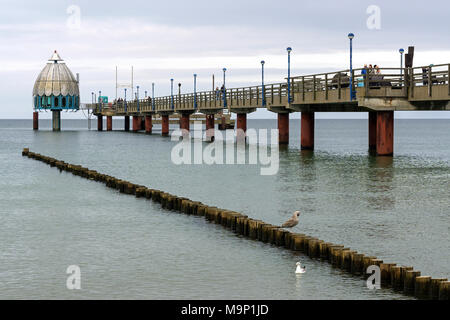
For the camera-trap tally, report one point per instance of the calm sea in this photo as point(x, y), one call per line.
point(394, 208)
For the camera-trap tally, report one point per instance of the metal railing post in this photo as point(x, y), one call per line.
point(314, 87)
point(257, 95)
point(271, 91)
point(339, 86)
point(303, 88)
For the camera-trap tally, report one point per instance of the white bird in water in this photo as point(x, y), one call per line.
point(293, 221)
point(300, 269)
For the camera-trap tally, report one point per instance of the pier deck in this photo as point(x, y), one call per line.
point(395, 89)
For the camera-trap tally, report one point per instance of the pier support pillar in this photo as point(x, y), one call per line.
point(127, 123)
point(184, 121)
point(100, 123)
point(210, 127)
point(148, 124)
point(136, 123)
point(385, 133)
point(165, 125)
point(35, 120)
point(241, 125)
point(108, 123)
point(307, 131)
point(56, 120)
point(283, 128)
point(372, 132)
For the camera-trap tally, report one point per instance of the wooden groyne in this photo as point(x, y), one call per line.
point(401, 278)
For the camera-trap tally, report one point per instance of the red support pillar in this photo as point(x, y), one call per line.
point(307, 130)
point(100, 123)
point(35, 120)
point(165, 125)
point(127, 123)
point(385, 133)
point(210, 127)
point(108, 123)
point(241, 125)
point(184, 121)
point(283, 128)
point(136, 123)
point(372, 131)
point(148, 124)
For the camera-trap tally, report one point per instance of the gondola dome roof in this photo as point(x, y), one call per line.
point(56, 79)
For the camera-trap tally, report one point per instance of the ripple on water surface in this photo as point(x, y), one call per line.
point(394, 208)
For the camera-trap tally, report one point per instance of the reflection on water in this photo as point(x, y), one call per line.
point(392, 208)
point(379, 183)
point(298, 283)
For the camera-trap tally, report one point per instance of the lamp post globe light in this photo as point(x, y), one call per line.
point(352, 94)
point(262, 83)
point(289, 49)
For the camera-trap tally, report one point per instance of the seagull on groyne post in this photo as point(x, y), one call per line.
point(293, 221)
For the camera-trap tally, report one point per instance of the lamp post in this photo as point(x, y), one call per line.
point(179, 92)
point(146, 93)
point(224, 90)
point(171, 92)
point(289, 49)
point(262, 83)
point(351, 36)
point(195, 90)
point(153, 96)
point(100, 99)
point(401, 50)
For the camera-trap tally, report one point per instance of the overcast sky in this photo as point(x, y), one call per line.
point(174, 39)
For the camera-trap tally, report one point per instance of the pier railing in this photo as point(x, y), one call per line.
point(323, 88)
point(429, 83)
